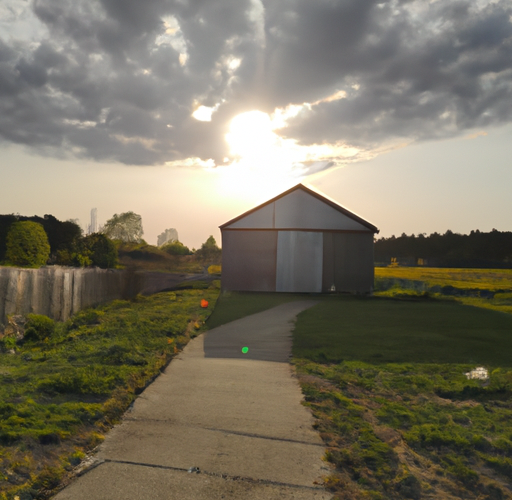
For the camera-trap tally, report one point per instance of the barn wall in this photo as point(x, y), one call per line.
point(249, 260)
point(348, 262)
point(297, 210)
point(301, 210)
point(299, 261)
point(262, 218)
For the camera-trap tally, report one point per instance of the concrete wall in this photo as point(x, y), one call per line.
point(59, 292)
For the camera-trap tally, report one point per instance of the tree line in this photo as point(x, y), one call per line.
point(475, 250)
point(36, 241)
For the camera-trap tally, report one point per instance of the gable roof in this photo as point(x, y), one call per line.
point(300, 187)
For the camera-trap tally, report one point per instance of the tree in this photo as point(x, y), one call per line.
point(99, 251)
point(6, 222)
point(27, 245)
point(62, 236)
point(209, 251)
point(124, 227)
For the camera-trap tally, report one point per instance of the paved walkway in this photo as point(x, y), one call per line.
point(218, 424)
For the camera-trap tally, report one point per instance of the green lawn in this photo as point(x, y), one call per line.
point(420, 331)
point(386, 381)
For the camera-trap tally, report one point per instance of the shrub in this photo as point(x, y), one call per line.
point(27, 245)
point(76, 457)
point(213, 269)
point(409, 487)
point(86, 317)
point(39, 327)
point(8, 343)
point(176, 248)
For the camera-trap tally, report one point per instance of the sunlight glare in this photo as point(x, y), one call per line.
point(250, 134)
point(263, 164)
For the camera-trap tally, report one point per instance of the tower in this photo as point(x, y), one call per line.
point(93, 226)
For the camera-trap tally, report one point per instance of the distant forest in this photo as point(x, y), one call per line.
point(477, 250)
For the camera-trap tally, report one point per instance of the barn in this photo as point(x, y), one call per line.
point(299, 241)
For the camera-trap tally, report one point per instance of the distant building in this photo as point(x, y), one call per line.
point(167, 236)
point(299, 241)
point(93, 226)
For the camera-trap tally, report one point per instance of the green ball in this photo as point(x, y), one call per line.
point(245, 350)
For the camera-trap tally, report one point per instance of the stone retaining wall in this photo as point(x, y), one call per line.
point(59, 292)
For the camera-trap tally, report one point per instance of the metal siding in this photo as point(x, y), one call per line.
point(260, 219)
point(299, 261)
point(299, 209)
point(348, 262)
point(249, 260)
point(328, 278)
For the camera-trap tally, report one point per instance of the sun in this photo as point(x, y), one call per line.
point(251, 136)
point(261, 162)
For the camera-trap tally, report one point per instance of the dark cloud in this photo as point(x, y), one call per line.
point(120, 79)
point(414, 74)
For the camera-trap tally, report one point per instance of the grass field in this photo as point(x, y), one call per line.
point(386, 380)
point(60, 394)
point(384, 377)
point(485, 288)
point(386, 330)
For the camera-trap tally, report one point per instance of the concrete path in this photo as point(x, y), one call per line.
point(218, 424)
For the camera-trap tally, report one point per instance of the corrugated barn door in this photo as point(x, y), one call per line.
point(299, 261)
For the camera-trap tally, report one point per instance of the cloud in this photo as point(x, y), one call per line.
point(412, 70)
point(121, 79)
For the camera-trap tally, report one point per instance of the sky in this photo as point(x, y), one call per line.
point(190, 112)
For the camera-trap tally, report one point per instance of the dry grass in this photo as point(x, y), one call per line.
point(482, 279)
